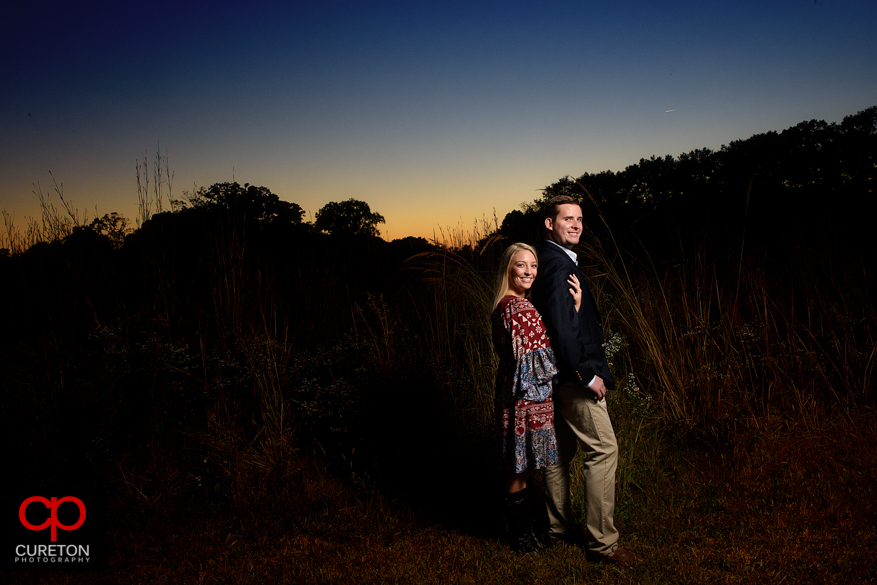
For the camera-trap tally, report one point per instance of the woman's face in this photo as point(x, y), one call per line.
point(522, 272)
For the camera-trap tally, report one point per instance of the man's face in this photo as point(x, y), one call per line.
point(566, 228)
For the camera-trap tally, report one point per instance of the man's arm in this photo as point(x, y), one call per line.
point(557, 308)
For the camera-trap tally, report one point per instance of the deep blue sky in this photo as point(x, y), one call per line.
point(435, 113)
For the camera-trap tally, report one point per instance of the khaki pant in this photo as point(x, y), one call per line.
point(580, 419)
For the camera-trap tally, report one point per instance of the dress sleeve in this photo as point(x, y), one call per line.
point(536, 365)
point(534, 374)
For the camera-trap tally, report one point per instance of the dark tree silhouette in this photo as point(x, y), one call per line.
point(113, 226)
point(777, 186)
point(351, 217)
point(249, 202)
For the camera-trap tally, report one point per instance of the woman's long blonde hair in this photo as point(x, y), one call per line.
point(505, 265)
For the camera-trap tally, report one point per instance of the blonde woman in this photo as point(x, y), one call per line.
point(524, 408)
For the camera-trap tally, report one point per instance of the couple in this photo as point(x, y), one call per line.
point(532, 385)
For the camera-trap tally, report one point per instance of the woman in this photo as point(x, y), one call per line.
point(524, 409)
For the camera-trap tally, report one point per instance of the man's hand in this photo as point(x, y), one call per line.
point(598, 388)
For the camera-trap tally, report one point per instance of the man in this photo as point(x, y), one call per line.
point(581, 416)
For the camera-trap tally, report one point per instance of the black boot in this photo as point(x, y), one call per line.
point(521, 537)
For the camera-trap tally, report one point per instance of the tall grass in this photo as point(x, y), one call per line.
point(228, 352)
point(453, 318)
point(54, 224)
point(150, 201)
point(719, 348)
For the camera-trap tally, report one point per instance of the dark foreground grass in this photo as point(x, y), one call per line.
point(782, 504)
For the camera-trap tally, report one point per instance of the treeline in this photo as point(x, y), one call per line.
point(227, 252)
point(167, 353)
point(810, 185)
point(222, 255)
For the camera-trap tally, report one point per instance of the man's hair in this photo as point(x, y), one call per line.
point(552, 207)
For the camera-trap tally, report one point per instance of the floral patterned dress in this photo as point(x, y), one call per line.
point(524, 408)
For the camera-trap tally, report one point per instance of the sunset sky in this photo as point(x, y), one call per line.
point(435, 113)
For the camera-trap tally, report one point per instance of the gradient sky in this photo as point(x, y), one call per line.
point(435, 113)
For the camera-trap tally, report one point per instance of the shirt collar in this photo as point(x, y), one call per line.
point(572, 255)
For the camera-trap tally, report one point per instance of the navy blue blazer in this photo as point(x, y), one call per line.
point(577, 339)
